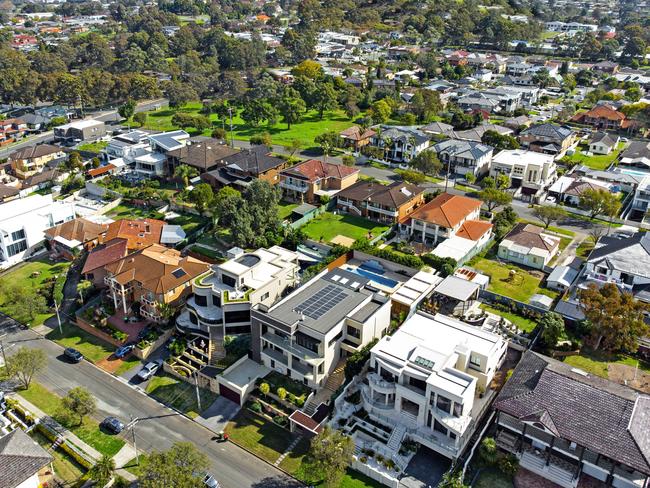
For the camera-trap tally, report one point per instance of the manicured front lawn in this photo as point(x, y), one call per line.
point(32, 274)
point(305, 131)
point(328, 225)
point(88, 431)
point(523, 286)
point(179, 394)
point(596, 161)
point(93, 146)
point(93, 348)
point(65, 467)
point(264, 439)
point(523, 323)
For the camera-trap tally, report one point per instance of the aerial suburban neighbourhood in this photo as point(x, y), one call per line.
point(278, 244)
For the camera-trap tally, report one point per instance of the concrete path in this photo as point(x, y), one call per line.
point(217, 415)
point(291, 447)
point(124, 456)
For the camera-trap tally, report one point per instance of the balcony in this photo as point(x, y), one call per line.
point(458, 424)
point(276, 356)
point(373, 403)
point(380, 384)
point(291, 186)
point(291, 348)
point(603, 278)
point(302, 369)
point(236, 296)
point(184, 324)
point(210, 314)
point(149, 301)
point(383, 211)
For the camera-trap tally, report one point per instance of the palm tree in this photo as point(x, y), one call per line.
point(82, 287)
point(388, 143)
point(185, 173)
point(103, 470)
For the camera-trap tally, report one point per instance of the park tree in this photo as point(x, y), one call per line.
point(309, 69)
point(179, 93)
point(127, 109)
point(599, 202)
point(291, 106)
point(257, 111)
point(548, 214)
point(494, 198)
point(427, 162)
point(331, 454)
point(80, 402)
point(185, 172)
point(179, 467)
point(26, 363)
point(103, 470)
point(294, 146)
point(324, 98)
point(552, 325)
point(202, 196)
point(617, 319)
point(140, 118)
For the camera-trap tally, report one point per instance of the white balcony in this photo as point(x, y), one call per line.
point(291, 186)
point(381, 385)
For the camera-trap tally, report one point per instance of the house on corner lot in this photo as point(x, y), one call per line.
point(383, 203)
point(605, 117)
point(465, 157)
point(427, 378)
point(31, 160)
point(528, 245)
point(308, 181)
point(570, 426)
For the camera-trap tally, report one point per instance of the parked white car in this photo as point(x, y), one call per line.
point(149, 369)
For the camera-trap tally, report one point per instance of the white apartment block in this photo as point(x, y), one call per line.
point(23, 223)
point(223, 297)
point(529, 171)
point(428, 380)
point(305, 335)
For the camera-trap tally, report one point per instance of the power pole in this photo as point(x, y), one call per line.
point(135, 446)
point(58, 317)
point(447, 177)
point(4, 356)
point(232, 138)
point(196, 385)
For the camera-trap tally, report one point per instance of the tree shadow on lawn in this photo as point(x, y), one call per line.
point(272, 436)
point(359, 222)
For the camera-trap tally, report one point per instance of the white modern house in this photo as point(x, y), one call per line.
point(305, 335)
point(23, 223)
point(428, 379)
point(153, 161)
point(223, 297)
point(530, 172)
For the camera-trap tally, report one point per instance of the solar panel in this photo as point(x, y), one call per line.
point(321, 303)
point(178, 273)
point(425, 363)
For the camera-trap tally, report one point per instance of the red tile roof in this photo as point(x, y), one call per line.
point(446, 210)
point(105, 254)
point(139, 233)
point(474, 229)
point(315, 170)
point(101, 170)
point(355, 133)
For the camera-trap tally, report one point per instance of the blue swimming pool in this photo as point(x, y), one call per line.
point(381, 280)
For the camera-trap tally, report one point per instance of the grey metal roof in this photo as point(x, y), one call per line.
point(457, 288)
point(637, 149)
point(629, 255)
point(20, 458)
point(553, 131)
point(588, 410)
point(464, 149)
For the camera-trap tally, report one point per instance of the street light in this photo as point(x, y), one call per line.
point(135, 446)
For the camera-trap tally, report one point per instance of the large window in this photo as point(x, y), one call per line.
point(437, 426)
point(228, 280)
point(238, 316)
point(417, 383)
point(201, 301)
point(443, 404)
point(216, 300)
point(16, 247)
point(475, 362)
point(18, 235)
point(307, 342)
point(354, 332)
point(458, 409)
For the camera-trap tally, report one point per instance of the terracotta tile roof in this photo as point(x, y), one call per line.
point(138, 233)
point(38, 151)
point(474, 229)
point(93, 173)
point(158, 268)
point(81, 230)
point(446, 210)
point(314, 170)
point(532, 237)
point(604, 112)
point(104, 254)
point(355, 133)
point(305, 421)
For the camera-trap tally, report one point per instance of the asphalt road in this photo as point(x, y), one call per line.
point(158, 427)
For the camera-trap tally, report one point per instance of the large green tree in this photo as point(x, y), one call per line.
point(80, 402)
point(26, 363)
point(179, 467)
point(291, 106)
point(599, 202)
point(548, 214)
point(330, 455)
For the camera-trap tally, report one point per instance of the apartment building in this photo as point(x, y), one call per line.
point(82, 130)
point(307, 181)
point(427, 380)
point(574, 428)
point(223, 296)
point(383, 203)
point(530, 172)
point(151, 276)
point(306, 334)
point(23, 222)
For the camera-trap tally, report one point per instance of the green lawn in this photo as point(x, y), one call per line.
point(93, 348)
point(285, 209)
point(557, 230)
point(328, 225)
point(179, 394)
point(596, 362)
point(521, 288)
point(310, 127)
point(65, 467)
point(597, 161)
point(585, 248)
point(33, 274)
point(88, 431)
point(125, 211)
point(265, 439)
point(492, 478)
point(522, 323)
point(93, 146)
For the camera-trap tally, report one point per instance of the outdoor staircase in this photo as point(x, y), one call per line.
point(57, 442)
point(396, 436)
point(310, 407)
point(217, 350)
point(336, 377)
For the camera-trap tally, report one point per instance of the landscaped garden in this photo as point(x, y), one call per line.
point(595, 161)
point(328, 225)
point(179, 394)
point(88, 431)
point(520, 285)
point(304, 131)
point(523, 323)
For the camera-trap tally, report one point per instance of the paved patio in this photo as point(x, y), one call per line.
point(130, 328)
point(425, 469)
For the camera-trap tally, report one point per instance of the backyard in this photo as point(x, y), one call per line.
point(305, 131)
point(189, 222)
point(492, 478)
point(180, 395)
point(595, 161)
point(33, 274)
point(88, 431)
point(522, 323)
point(285, 209)
point(96, 146)
point(520, 286)
point(328, 225)
point(598, 362)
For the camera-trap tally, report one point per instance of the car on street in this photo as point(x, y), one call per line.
point(73, 355)
point(210, 481)
point(124, 350)
point(112, 424)
point(149, 369)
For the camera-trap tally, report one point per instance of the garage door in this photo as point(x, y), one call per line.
point(231, 395)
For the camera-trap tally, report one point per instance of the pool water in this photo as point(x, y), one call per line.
point(381, 280)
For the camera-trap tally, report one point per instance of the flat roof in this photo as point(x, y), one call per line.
point(457, 288)
point(244, 373)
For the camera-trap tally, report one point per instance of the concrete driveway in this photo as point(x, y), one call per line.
point(217, 415)
point(425, 469)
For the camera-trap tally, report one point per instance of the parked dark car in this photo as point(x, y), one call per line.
point(113, 425)
point(73, 355)
point(124, 350)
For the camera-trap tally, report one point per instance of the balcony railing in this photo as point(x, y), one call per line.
point(291, 186)
point(290, 347)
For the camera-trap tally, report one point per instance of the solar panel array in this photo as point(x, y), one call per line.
point(322, 302)
point(425, 363)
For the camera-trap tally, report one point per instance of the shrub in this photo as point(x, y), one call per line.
point(363, 459)
point(280, 420)
point(509, 465)
point(488, 451)
point(282, 393)
point(300, 401)
point(256, 407)
point(265, 389)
